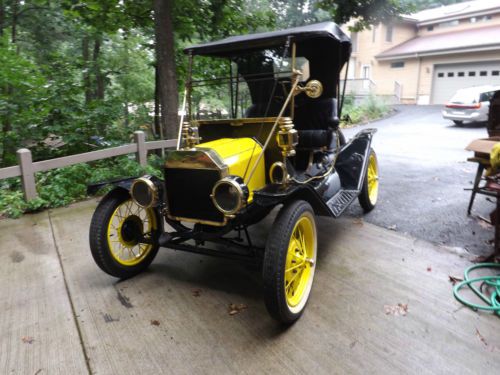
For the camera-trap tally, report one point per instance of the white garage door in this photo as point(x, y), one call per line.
point(449, 78)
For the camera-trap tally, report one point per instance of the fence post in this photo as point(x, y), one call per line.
point(142, 152)
point(27, 174)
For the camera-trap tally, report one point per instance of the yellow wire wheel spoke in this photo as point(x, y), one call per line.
point(368, 195)
point(301, 255)
point(372, 177)
point(124, 250)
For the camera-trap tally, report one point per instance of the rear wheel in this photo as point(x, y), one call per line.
point(369, 192)
point(117, 226)
point(289, 262)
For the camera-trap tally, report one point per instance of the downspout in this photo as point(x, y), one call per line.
point(418, 78)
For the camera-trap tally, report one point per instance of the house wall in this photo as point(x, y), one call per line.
point(417, 73)
point(368, 47)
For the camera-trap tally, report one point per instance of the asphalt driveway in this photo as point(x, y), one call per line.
point(423, 173)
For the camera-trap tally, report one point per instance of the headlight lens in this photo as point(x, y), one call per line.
point(144, 192)
point(230, 194)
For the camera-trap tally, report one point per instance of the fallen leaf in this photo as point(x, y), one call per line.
point(429, 269)
point(196, 292)
point(236, 308)
point(454, 280)
point(392, 227)
point(27, 339)
point(358, 221)
point(481, 337)
point(483, 224)
point(155, 323)
point(399, 309)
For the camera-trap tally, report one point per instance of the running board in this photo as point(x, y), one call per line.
point(340, 201)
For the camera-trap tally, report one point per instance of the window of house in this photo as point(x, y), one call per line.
point(451, 74)
point(472, 74)
point(398, 64)
point(430, 28)
point(460, 74)
point(388, 33)
point(374, 33)
point(440, 75)
point(483, 73)
point(449, 23)
point(495, 72)
point(366, 72)
point(480, 19)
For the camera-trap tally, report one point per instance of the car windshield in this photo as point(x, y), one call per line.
point(464, 97)
point(247, 84)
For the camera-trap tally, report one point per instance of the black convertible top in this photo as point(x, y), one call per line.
point(328, 31)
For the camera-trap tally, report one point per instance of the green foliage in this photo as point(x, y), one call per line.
point(63, 186)
point(371, 108)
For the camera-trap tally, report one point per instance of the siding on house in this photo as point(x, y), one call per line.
point(415, 71)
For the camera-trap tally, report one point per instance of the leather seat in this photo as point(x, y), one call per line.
point(315, 121)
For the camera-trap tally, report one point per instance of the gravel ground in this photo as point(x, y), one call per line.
point(423, 173)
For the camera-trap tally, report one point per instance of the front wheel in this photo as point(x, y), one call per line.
point(369, 192)
point(117, 226)
point(289, 262)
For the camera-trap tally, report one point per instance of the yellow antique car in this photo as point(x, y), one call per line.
point(272, 140)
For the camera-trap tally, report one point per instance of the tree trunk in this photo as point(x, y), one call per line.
point(8, 149)
point(157, 123)
point(86, 70)
point(2, 17)
point(15, 10)
point(99, 77)
point(165, 59)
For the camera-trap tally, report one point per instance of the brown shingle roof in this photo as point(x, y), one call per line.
point(444, 43)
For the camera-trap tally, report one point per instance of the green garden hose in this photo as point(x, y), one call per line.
point(492, 300)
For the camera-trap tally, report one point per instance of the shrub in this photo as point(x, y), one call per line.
point(371, 108)
point(60, 187)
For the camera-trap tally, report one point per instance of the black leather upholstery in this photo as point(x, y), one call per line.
point(315, 120)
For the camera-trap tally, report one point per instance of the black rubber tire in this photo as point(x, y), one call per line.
point(364, 198)
point(342, 140)
point(98, 237)
point(273, 271)
point(458, 123)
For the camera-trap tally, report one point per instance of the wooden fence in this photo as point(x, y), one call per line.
point(26, 169)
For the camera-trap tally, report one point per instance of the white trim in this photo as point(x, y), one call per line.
point(459, 16)
point(438, 53)
point(362, 76)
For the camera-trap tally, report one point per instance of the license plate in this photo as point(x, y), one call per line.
point(458, 113)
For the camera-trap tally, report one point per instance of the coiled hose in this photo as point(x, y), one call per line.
point(491, 299)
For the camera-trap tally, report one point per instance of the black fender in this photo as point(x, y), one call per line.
point(273, 195)
point(353, 158)
point(123, 183)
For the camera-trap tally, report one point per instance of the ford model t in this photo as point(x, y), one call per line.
point(268, 136)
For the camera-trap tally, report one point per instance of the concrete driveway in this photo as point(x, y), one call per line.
point(381, 304)
point(423, 173)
